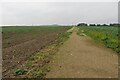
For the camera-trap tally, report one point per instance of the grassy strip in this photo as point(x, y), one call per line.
point(37, 66)
point(106, 35)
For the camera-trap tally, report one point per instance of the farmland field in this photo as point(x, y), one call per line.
point(107, 35)
point(21, 42)
point(28, 52)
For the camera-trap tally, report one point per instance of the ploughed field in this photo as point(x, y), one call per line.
point(21, 42)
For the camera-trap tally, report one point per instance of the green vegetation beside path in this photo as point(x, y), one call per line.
point(106, 35)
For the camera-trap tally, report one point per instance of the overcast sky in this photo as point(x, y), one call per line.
point(65, 13)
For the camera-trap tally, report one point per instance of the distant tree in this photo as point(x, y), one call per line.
point(92, 25)
point(98, 25)
point(82, 24)
point(105, 25)
point(115, 24)
point(111, 24)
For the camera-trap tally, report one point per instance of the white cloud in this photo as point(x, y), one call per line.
point(58, 12)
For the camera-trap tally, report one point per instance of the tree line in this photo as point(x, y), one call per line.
point(85, 24)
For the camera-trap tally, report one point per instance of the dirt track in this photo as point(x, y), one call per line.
point(80, 57)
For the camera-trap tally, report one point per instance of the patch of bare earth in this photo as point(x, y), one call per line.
point(15, 56)
point(80, 57)
point(20, 43)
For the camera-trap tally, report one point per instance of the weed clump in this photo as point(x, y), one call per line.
point(20, 72)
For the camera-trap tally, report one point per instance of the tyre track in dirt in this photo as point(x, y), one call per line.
point(80, 57)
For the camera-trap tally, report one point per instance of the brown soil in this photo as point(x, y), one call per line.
point(15, 56)
point(80, 57)
point(23, 47)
